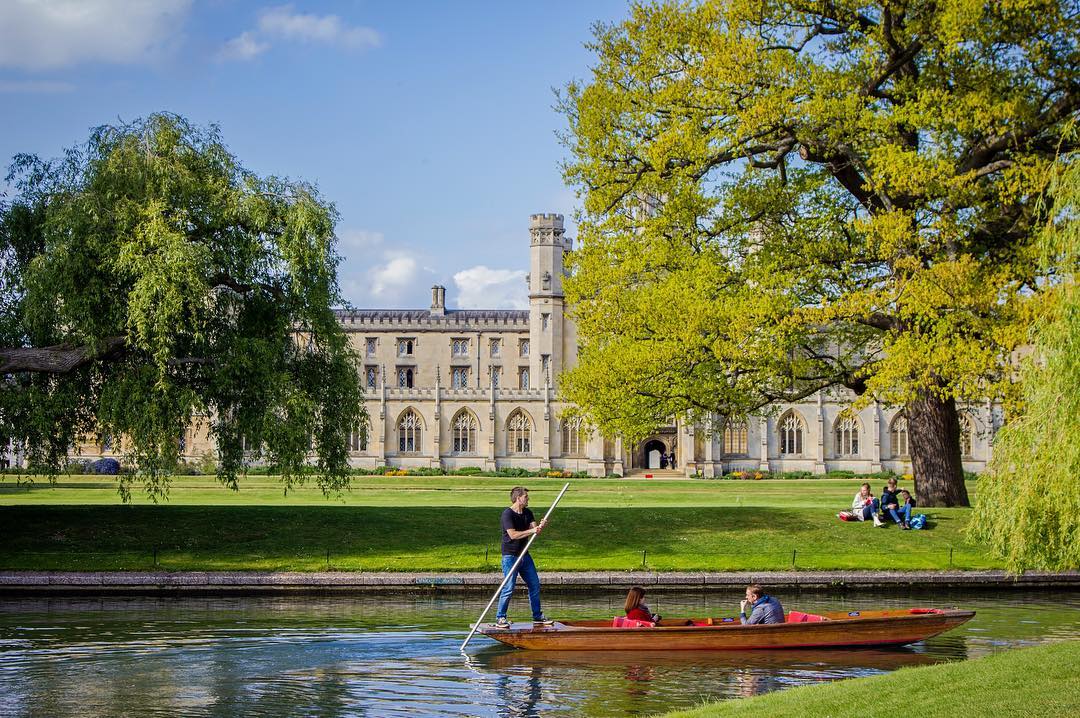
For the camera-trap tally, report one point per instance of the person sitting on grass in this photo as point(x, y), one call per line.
point(906, 508)
point(763, 607)
point(864, 506)
point(635, 607)
point(890, 502)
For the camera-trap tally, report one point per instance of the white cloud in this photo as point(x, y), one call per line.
point(358, 240)
point(47, 34)
point(392, 279)
point(32, 87)
point(283, 23)
point(243, 47)
point(480, 287)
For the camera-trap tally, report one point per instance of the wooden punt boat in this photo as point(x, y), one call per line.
point(836, 629)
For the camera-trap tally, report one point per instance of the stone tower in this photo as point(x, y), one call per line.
point(546, 327)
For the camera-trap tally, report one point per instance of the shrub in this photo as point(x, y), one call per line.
point(110, 467)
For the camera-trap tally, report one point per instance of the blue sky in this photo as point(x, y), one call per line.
point(429, 124)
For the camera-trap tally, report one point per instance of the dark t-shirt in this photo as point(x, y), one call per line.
point(519, 522)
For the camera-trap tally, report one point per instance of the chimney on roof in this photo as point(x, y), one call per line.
point(438, 301)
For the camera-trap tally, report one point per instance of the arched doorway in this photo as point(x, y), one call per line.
point(651, 453)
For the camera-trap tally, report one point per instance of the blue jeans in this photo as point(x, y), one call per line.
point(869, 511)
point(902, 514)
point(527, 571)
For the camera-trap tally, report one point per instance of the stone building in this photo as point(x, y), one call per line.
point(451, 388)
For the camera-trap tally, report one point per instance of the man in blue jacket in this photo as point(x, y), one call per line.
point(763, 607)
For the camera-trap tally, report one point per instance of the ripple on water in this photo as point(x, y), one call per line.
point(340, 656)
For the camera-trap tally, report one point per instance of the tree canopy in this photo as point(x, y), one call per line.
point(147, 280)
point(787, 197)
point(1029, 502)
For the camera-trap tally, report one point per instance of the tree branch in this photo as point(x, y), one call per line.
point(58, 359)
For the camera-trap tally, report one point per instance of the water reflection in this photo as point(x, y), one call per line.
point(369, 656)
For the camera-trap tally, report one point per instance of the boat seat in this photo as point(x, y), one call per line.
point(925, 610)
point(624, 622)
point(800, 617)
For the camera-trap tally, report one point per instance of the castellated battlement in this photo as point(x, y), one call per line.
point(549, 221)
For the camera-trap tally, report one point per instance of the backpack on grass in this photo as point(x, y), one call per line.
point(918, 521)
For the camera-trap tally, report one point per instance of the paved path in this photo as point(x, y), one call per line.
point(38, 582)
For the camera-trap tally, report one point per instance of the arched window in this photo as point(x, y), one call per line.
point(791, 434)
point(898, 438)
point(357, 440)
point(519, 433)
point(967, 430)
point(735, 438)
point(846, 431)
point(464, 427)
point(574, 437)
point(410, 430)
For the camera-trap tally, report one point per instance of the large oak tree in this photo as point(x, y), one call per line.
point(149, 281)
point(787, 197)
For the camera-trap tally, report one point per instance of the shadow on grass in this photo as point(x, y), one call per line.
point(459, 538)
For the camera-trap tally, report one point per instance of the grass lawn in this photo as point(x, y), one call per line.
point(1041, 681)
point(451, 524)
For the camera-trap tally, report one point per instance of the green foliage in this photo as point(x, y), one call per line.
point(1029, 500)
point(176, 285)
point(782, 197)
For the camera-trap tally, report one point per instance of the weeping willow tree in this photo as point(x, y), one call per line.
point(149, 281)
point(1029, 500)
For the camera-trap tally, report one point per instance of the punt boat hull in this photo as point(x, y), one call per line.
point(838, 630)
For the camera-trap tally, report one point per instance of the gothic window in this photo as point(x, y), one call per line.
point(460, 347)
point(574, 437)
point(106, 442)
point(496, 347)
point(846, 433)
point(519, 432)
point(523, 347)
point(459, 377)
point(545, 365)
point(464, 427)
point(967, 430)
point(371, 377)
point(371, 344)
point(898, 437)
point(496, 375)
point(735, 438)
point(791, 434)
point(523, 377)
point(405, 377)
point(182, 443)
point(405, 347)
point(410, 430)
point(357, 440)
point(545, 321)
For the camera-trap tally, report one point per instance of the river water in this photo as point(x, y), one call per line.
point(371, 655)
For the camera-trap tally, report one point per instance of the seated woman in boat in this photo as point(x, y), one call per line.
point(763, 607)
point(635, 606)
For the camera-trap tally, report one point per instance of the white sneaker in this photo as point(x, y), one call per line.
point(878, 522)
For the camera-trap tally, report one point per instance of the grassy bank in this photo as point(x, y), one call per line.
point(451, 524)
point(1040, 681)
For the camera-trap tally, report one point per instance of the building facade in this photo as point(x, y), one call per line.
point(454, 388)
point(450, 388)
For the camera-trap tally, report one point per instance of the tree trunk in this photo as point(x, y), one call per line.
point(934, 442)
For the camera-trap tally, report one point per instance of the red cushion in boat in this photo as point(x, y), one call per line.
point(926, 610)
point(800, 617)
point(624, 622)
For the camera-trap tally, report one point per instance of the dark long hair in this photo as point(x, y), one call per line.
point(634, 597)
